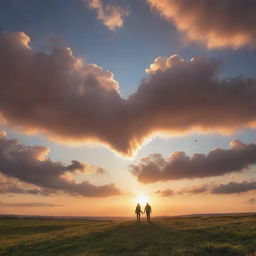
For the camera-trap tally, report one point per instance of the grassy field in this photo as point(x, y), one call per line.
point(186, 236)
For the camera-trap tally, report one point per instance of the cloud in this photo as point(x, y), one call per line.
point(229, 188)
point(154, 167)
point(14, 186)
point(30, 164)
point(196, 189)
point(219, 189)
point(163, 63)
point(6, 188)
point(218, 23)
point(234, 187)
point(166, 192)
point(98, 170)
point(251, 201)
point(110, 14)
point(29, 205)
point(60, 96)
point(90, 168)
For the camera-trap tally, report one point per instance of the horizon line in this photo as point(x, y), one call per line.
point(120, 217)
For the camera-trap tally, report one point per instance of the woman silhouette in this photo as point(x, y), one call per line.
point(138, 211)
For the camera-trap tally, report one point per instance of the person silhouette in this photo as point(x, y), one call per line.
point(138, 211)
point(148, 210)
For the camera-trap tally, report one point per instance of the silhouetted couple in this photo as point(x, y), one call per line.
point(138, 211)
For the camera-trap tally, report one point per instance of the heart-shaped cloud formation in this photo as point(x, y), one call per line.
point(59, 95)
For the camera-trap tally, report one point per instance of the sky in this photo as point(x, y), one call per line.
point(107, 103)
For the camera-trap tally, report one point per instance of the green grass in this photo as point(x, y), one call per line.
point(180, 236)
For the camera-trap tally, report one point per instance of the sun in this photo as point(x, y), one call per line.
point(142, 199)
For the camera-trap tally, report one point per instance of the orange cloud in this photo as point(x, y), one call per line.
point(218, 189)
point(110, 14)
point(166, 192)
point(60, 96)
point(216, 23)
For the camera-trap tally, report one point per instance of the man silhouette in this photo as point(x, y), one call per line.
point(148, 210)
point(138, 211)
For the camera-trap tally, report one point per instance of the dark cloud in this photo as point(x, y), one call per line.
point(30, 164)
point(234, 187)
point(217, 162)
point(60, 96)
point(166, 192)
point(216, 23)
point(29, 205)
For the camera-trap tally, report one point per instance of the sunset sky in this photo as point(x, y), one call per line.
point(104, 103)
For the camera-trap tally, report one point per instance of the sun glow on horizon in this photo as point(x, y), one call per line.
point(142, 199)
